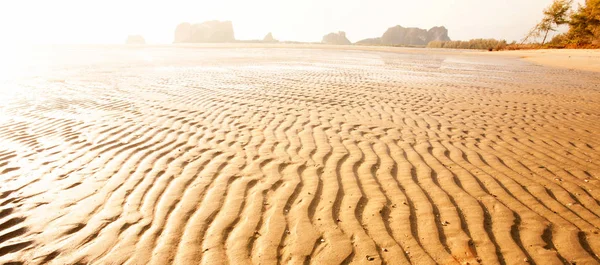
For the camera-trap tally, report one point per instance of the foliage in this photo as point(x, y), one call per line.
point(559, 39)
point(584, 27)
point(480, 44)
point(555, 15)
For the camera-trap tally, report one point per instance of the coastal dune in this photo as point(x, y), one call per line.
point(181, 155)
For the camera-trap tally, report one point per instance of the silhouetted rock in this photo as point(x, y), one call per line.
point(371, 41)
point(209, 31)
point(183, 33)
point(135, 39)
point(336, 38)
point(269, 38)
point(438, 34)
point(399, 35)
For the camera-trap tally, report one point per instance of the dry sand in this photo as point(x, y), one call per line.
point(588, 60)
point(159, 155)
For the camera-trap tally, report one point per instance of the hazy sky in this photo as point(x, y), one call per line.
point(110, 21)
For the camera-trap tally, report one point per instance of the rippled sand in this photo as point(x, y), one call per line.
point(158, 155)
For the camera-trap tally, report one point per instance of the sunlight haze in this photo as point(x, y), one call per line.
point(110, 21)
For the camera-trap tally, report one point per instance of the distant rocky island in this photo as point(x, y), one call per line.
point(209, 31)
point(399, 35)
point(394, 36)
point(336, 38)
point(269, 38)
point(135, 39)
point(222, 31)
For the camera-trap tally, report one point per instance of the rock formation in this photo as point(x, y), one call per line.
point(336, 38)
point(399, 35)
point(269, 38)
point(370, 41)
point(209, 31)
point(438, 34)
point(135, 39)
point(183, 33)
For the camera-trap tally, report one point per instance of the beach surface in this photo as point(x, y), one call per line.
point(246, 154)
point(572, 59)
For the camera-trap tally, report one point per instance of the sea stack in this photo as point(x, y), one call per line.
point(269, 38)
point(209, 31)
point(338, 38)
point(399, 35)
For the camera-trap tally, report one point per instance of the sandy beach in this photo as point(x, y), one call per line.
point(573, 59)
point(586, 60)
point(246, 154)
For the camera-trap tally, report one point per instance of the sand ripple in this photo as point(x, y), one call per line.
point(259, 156)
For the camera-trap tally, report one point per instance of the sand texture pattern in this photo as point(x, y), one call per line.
point(113, 155)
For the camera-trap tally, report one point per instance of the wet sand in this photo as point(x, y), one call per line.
point(573, 59)
point(233, 155)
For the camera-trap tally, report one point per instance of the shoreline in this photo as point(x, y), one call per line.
point(573, 59)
